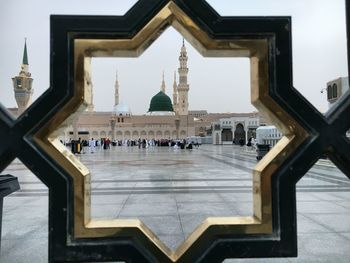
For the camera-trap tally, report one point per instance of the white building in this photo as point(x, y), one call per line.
point(235, 129)
point(335, 89)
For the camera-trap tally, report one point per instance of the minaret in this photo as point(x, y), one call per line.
point(175, 94)
point(22, 84)
point(116, 90)
point(183, 87)
point(162, 88)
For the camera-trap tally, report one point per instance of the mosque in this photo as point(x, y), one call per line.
point(165, 119)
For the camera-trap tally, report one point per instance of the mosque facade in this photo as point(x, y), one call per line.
point(165, 119)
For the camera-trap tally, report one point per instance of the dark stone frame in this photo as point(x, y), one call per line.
point(328, 132)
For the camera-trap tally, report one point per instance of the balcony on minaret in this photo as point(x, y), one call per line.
point(22, 83)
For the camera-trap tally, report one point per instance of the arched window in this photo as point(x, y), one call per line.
point(329, 92)
point(334, 91)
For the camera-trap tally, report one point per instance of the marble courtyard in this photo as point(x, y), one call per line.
point(172, 191)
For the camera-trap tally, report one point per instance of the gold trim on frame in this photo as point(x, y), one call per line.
point(257, 51)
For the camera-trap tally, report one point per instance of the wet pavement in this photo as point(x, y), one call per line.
point(172, 191)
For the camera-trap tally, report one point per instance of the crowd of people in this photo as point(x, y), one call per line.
point(86, 146)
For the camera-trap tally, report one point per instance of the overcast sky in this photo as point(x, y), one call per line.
point(218, 85)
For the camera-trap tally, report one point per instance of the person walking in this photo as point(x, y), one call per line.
point(92, 145)
point(253, 142)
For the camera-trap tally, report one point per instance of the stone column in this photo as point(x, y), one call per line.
point(177, 126)
point(113, 121)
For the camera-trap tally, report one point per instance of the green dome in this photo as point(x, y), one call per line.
point(160, 102)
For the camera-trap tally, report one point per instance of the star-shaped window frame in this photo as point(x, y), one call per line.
point(270, 232)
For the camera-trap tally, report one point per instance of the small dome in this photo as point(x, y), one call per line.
point(121, 109)
point(160, 102)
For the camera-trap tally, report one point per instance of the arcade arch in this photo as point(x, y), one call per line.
point(94, 134)
point(226, 136)
point(119, 135)
point(166, 134)
point(143, 134)
point(240, 134)
point(151, 134)
point(159, 135)
point(127, 135)
point(174, 135)
point(183, 134)
point(135, 135)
